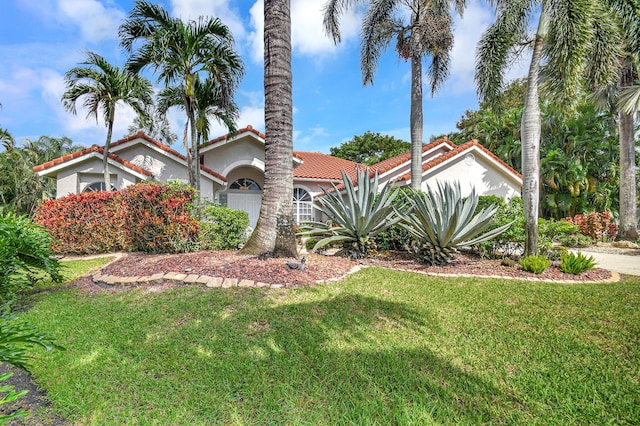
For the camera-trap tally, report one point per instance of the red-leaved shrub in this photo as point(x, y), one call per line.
point(148, 217)
point(598, 226)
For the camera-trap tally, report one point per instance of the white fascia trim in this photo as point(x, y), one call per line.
point(234, 138)
point(258, 164)
point(397, 168)
point(515, 178)
point(148, 145)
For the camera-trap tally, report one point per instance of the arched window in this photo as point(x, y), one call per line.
point(245, 184)
point(97, 187)
point(302, 205)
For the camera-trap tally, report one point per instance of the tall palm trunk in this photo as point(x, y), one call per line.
point(416, 121)
point(530, 136)
point(274, 234)
point(105, 156)
point(190, 122)
point(628, 200)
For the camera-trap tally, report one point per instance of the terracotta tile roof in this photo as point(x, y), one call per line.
point(323, 166)
point(94, 148)
point(457, 151)
point(238, 132)
point(393, 162)
point(114, 157)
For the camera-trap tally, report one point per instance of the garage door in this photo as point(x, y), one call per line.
point(248, 201)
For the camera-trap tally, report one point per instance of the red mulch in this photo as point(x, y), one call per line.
point(231, 264)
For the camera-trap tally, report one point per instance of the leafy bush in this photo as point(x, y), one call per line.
point(576, 240)
point(356, 216)
point(510, 242)
point(395, 237)
point(311, 242)
point(15, 339)
point(535, 263)
point(148, 217)
point(25, 255)
point(598, 226)
point(222, 228)
point(441, 221)
point(555, 230)
point(572, 263)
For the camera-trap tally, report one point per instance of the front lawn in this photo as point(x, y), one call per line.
point(382, 347)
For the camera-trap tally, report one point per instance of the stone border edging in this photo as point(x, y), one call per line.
point(220, 282)
point(206, 280)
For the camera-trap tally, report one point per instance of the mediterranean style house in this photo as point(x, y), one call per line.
point(232, 170)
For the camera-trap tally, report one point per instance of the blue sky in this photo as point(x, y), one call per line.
point(41, 39)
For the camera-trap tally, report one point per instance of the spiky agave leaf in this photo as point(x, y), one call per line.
point(442, 221)
point(356, 214)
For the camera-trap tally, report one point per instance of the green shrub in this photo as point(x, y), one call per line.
point(25, 255)
point(535, 263)
point(556, 252)
point(511, 242)
point(576, 240)
point(556, 229)
point(507, 261)
point(148, 217)
point(575, 264)
point(311, 242)
point(356, 216)
point(15, 339)
point(442, 220)
point(222, 228)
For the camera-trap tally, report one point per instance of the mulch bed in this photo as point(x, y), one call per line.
point(231, 264)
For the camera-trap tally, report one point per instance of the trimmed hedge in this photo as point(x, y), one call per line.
point(222, 228)
point(147, 217)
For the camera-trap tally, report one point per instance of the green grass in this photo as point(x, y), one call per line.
point(382, 347)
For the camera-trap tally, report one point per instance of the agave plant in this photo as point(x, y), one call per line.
point(356, 215)
point(442, 221)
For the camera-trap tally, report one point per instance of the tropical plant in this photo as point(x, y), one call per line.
point(579, 41)
point(222, 228)
point(25, 255)
point(442, 221)
point(156, 127)
point(370, 148)
point(179, 52)
point(15, 339)
point(428, 32)
point(572, 263)
point(103, 87)
point(619, 98)
point(535, 263)
point(274, 233)
point(355, 216)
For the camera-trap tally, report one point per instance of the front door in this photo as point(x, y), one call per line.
point(249, 201)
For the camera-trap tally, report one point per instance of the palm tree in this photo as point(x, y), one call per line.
point(622, 95)
point(583, 44)
point(206, 107)
point(428, 32)
point(274, 233)
point(179, 52)
point(104, 86)
point(157, 127)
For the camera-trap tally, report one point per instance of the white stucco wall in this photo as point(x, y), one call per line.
point(229, 156)
point(475, 172)
point(162, 166)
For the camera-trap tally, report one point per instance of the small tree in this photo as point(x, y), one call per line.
point(370, 148)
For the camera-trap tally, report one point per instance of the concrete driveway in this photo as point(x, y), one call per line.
point(620, 263)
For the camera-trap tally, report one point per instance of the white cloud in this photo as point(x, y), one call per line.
point(467, 33)
point(96, 22)
point(310, 136)
point(307, 32)
point(192, 9)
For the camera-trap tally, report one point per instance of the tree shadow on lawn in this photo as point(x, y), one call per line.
point(343, 359)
